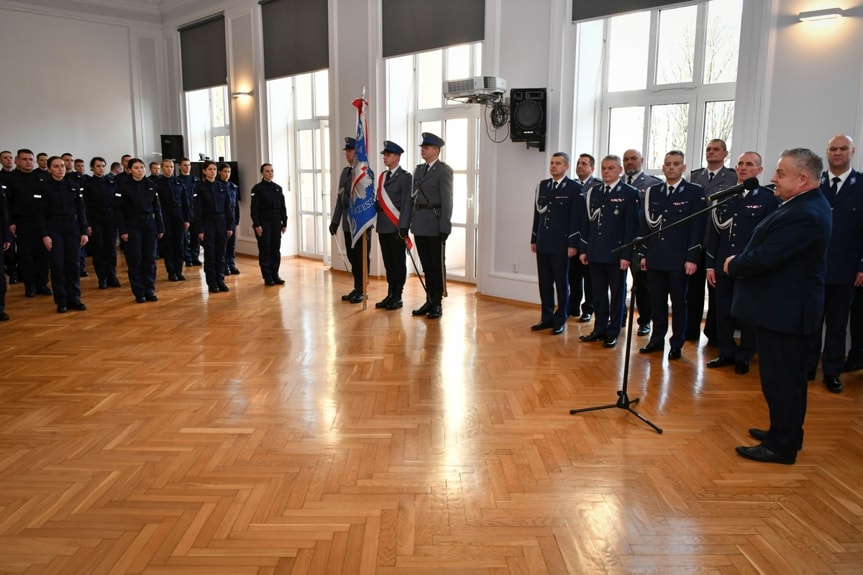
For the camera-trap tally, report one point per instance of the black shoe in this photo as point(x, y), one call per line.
point(77, 306)
point(395, 304)
point(181, 278)
point(759, 434)
point(643, 330)
point(85, 274)
point(558, 329)
point(741, 367)
point(140, 299)
point(227, 272)
point(30, 293)
point(651, 347)
point(279, 281)
point(213, 289)
point(541, 326)
point(592, 337)
point(764, 455)
point(13, 280)
point(61, 309)
point(810, 376)
point(424, 309)
point(436, 311)
point(114, 282)
point(712, 343)
point(833, 384)
point(195, 262)
point(269, 283)
point(720, 362)
point(151, 297)
point(383, 303)
point(44, 291)
point(103, 284)
point(235, 271)
point(4, 316)
point(357, 298)
point(348, 296)
point(585, 317)
point(223, 287)
point(172, 277)
point(674, 353)
point(609, 342)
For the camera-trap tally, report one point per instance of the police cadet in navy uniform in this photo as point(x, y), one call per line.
point(139, 220)
point(6, 242)
point(557, 216)
point(177, 215)
point(191, 244)
point(714, 178)
point(431, 221)
point(579, 274)
point(77, 179)
point(673, 254)
point(843, 188)
point(340, 215)
point(234, 199)
point(612, 220)
point(269, 220)
point(23, 188)
point(213, 225)
point(100, 200)
point(728, 229)
point(394, 212)
point(63, 225)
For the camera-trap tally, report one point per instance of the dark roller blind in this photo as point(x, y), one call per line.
point(203, 54)
point(417, 25)
point(591, 9)
point(296, 36)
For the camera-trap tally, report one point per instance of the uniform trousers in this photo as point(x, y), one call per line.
point(608, 279)
point(837, 306)
point(725, 324)
point(393, 254)
point(32, 257)
point(103, 244)
point(855, 352)
point(782, 366)
point(580, 285)
point(661, 285)
point(355, 257)
point(553, 273)
point(642, 294)
point(10, 262)
point(695, 302)
point(65, 260)
point(269, 250)
point(431, 251)
point(171, 245)
point(140, 252)
point(214, 242)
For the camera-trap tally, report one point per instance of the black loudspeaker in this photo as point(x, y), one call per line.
point(528, 116)
point(172, 148)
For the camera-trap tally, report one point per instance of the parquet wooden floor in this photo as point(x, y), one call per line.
point(281, 431)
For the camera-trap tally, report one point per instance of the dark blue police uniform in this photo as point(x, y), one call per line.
point(23, 193)
point(231, 244)
point(100, 201)
point(61, 217)
point(176, 212)
point(139, 217)
point(269, 213)
point(214, 219)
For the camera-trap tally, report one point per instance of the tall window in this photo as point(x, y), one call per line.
point(669, 79)
point(209, 126)
point(415, 104)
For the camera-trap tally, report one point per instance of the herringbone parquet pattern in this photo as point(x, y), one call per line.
point(281, 431)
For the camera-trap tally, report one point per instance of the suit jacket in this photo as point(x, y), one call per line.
point(643, 181)
point(845, 255)
point(724, 178)
point(432, 195)
point(671, 248)
point(730, 225)
point(612, 220)
point(398, 188)
point(780, 273)
point(557, 216)
point(343, 199)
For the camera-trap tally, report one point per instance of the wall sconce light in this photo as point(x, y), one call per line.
point(241, 94)
point(826, 14)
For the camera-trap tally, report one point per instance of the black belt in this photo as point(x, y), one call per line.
point(142, 217)
point(427, 206)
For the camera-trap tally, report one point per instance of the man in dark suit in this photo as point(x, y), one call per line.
point(612, 220)
point(674, 253)
point(780, 290)
point(843, 188)
point(431, 221)
point(640, 180)
point(728, 229)
point(394, 212)
point(579, 274)
point(554, 240)
point(714, 178)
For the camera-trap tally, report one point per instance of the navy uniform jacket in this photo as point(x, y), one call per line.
point(343, 199)
point(612, 220)
point(845, 255)
point(398, 188)
point(729, 226)
point(670, 249)
point(137, 202)
point(61, 208)
point(189, 182)
point(211, 203)
point(172, 197)
point(100, 196)
point(22, 191)
point(432, 200)
point(557, 216)
point(234, 199)
point(780, 273)
point(268, 205)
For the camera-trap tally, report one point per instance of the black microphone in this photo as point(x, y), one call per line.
point(749, 184)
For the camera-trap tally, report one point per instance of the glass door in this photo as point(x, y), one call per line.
point(313, 175)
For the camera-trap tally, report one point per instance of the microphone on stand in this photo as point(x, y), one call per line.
point(749, 184)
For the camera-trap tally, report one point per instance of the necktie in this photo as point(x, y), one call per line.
point(426, 169)
point(387, 179)
point(670, 190)
point(607, 190)
point(554, 187)
point(710, 176)
point(629, 180)
point(835, 187)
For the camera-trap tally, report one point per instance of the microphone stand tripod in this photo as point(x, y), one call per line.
point(623, 400)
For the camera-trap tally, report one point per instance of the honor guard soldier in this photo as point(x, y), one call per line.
point(213, 225)
point(728, 229)
point(234, 199)
point(139, 220)
point(672, 255)
point(23, 191)
point(177, 215)
point(612, 220)
point(269, 220)
point(100, 200)
point(394, 213)
point(557, 216)
point(431, 221)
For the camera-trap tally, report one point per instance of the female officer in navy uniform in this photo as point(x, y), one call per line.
point(139, 219)
point(214, 224)
point(63, 225)
point(269, 220)
point(234, 198)
point(100, 198)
